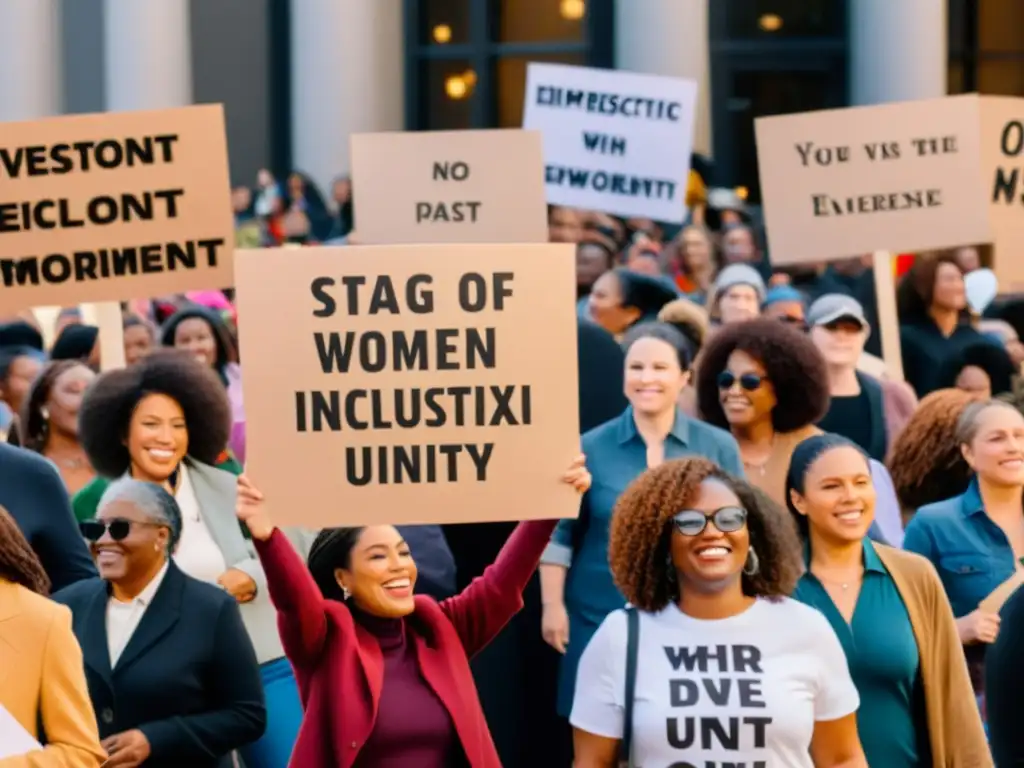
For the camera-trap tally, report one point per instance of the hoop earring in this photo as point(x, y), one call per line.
point(753, 564)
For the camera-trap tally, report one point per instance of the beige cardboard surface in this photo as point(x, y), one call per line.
point(993, 603)
point(895, 177)
point(1002, 130)
point(114, 206)
point(413, 338)
point(449, 187)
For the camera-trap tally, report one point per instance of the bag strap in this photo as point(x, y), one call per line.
point(632, 652)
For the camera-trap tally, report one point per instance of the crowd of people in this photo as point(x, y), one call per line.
point(785, 553)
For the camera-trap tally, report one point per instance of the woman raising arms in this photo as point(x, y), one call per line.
point(352, 617)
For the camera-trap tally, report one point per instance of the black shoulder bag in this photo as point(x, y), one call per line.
point(632, 652)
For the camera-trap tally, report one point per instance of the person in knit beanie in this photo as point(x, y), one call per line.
point(736, 295)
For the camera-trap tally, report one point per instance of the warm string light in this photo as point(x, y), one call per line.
point(770, 22)
point(442, 34)
point(458, 87)
point(573, 10)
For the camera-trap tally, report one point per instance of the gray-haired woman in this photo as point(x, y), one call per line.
point(172, 674)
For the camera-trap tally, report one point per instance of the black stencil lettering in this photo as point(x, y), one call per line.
point(300, 411)
point(718, 691)
point(472, 292)
point(410, 351)
point(750, 694)
point(502, 289)
point(698, 658)
point(353, 474)
point(373, 352)
point(823, 156)
point(936, 145)
point(622, 184)
point(351, 414)
point(451, 454)
point(407, 464)
point(481, 456)
point(352, 283)
point(419, 298)
point(825, 205)
point(383, 297)
point(683, 693)
point(457, 171)
point(456, 213)
point(460, 394)
point(760, 726)
point(334, 350)
point(1011, 142)
point(503, 412)
point(889, 150)
point(408, 414)
point(377, 411)
point(382, 464)
point(326, 407)
point(446, 349)
point(605, 144)
point(746, 659)
point(1007, 186)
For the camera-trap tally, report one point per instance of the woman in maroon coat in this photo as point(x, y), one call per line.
point(384, 676)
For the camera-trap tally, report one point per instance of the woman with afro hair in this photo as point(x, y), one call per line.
point(983, 369)
point(166, 420)
point(728, 669)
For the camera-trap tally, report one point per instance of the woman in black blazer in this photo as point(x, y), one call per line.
point(172, 674)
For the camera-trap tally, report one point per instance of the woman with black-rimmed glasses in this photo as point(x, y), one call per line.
point(172, 674)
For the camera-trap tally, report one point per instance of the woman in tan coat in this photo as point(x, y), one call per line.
point(42, 680)
point(890, 613)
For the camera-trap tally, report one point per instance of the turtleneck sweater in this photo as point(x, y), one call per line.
point(412, 728)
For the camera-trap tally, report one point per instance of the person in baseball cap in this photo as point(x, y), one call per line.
point(835, 308)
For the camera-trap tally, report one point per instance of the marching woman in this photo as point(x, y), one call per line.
point(384, 676)
point(727, 669)
point(166, 420)
point(890, 612)
point(577, 588)
point(42, 683)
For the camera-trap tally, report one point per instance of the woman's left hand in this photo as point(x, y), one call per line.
point(126, 750)
point(239, 585)
point(577, 475)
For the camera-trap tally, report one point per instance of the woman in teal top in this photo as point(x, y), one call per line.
point(577, 589)
point(900, 643)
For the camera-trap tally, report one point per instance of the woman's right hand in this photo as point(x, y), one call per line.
point(554, 626)
point(252, 510)
point(978, 627)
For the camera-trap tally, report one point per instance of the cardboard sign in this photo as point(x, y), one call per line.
point(449, 187)
point(892, 177)
point(1002, 129)
point(109, 207)
point(997, 598)
point(617, 142)
point(411, 384)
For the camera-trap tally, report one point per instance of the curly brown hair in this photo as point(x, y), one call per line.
point(925, 460)
point(18, 562)
point(793, 363)
point(641, 530)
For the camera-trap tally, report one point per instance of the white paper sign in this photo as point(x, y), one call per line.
point(14, 740)
point(616, 142)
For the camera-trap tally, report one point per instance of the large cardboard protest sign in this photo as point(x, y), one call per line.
point(1002, 129)
point(411, 384)
point(617, 142)
point(449, 187)
point(896, 177)
point(114, 206)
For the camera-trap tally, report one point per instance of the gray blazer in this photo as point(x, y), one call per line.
point(216, 491)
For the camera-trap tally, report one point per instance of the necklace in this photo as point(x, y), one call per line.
point(845, 585)
point(759, 468)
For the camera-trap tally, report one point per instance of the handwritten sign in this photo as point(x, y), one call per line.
point(1002, 121)
point(110, 207)
point(449, 187)
point(896, 177)
point(614, 141)
point(411, 384)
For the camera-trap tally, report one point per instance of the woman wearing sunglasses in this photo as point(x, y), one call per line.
point(728, 669)
point(577, 589)
point(766, 383)
point(890, 612)
point(172, 674)
point(42, 685)
point(166, 420)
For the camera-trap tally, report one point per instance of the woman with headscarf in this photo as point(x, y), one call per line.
point(890, 612)
point(165, 420)
point(204, 334)
point(726, 669)
point(976, 540)
point(577, 588)
point(49, 420)
point(78, 342)
point(42, 680)
point(384, 675)
point(621, 298)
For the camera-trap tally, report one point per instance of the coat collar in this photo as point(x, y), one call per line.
point(627, 427)
point(160, 617)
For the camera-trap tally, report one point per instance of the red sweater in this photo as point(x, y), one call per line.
point(340, 667)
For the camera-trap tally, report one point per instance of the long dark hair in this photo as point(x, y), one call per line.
point(804, 455)
point(18, 562)
point(33, 427)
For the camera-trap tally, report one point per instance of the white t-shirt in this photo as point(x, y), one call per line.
point(198, 554)
point(744, 690)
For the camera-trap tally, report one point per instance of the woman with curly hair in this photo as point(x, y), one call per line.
point(934, 321)
point(983, 369)
point(49, 420)
point(42, 676)
point(726, 667)
point(925, 461)
point(166, 420)
point(577, 589)
point(767, 383)
point(975, 539)
point(890, 612)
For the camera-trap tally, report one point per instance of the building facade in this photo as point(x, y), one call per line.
point(298, 76)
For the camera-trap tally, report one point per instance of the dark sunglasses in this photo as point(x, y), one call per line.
point(692, 522)
point(119, 528)
point(748, 381)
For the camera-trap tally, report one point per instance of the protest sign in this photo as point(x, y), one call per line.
point(114, 206)
point(449, 187)
point(411, 383)
point(894, 177)
point(617, 142)
point(1002, 130)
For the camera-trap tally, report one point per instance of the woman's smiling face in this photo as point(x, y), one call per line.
point(157, 438)
point(654, 378)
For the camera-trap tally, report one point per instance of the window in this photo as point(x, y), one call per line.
point(466, 59)
point(986, 47)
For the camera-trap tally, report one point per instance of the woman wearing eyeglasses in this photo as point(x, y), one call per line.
point(728, 669)
point(172, 674)
point(577, 590)
point(766, 383)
